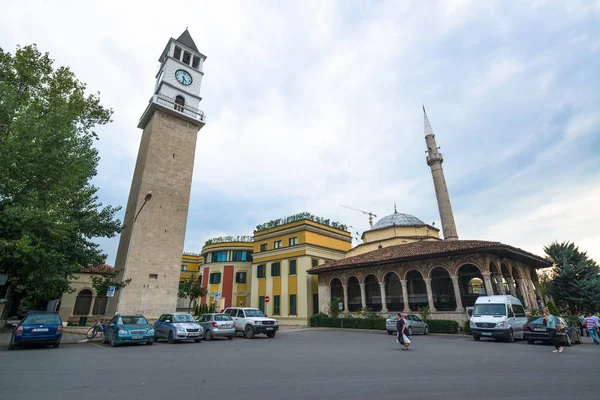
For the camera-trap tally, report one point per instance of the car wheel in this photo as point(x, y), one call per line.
point(198, 340)
point(476, 338)
point(55, 345)
point(113, 341)
point(208, 335)
point(150, 342)
point(229, 337)
point(271, 335)
point(170, 338)
point(390, 332)
point(511, 336)
point(529, 341)
point(155, 338)
point(426, 331)
point(249, 332)
point(568, 341)
point(410, 331)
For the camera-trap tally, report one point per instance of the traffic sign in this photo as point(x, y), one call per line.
point(341, 306)
point(267, 299)
point(216, 296)
point(110, 292)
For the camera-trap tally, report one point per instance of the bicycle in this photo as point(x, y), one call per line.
point(98, 327)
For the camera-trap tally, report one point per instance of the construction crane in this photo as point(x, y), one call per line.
point(370, 214)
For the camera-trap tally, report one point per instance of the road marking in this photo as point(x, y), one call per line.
point(97, 345)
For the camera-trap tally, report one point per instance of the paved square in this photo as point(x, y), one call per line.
point(305, 364)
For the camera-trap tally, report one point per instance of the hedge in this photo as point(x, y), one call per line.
point(323, 320)
point(442, 326)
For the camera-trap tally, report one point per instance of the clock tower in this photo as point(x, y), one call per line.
point(151, 242)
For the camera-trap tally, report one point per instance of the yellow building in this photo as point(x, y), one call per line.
point(284, 250)
point(190, 269)
point(226, 271)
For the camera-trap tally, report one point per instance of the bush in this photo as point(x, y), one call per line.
point(467, 327)
point(424, 312)
point(552, 308)
point(442, 326)
point(323, 320)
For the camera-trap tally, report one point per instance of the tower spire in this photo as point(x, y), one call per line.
point(435, 160)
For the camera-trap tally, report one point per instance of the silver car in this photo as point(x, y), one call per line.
point(217, 325)
point(413, 323)
point(178, 326)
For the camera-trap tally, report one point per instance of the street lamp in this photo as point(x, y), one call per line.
point(146, 199)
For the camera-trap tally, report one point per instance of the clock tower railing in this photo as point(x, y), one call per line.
point(169, 105)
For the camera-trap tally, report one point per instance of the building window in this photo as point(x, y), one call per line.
point(100, 305)
point(315, 262)
point(183, 267)
point(261, 303)
point(177, 53)
point(293, 241)
point(215, 277)
point(239, 255)
point(179, 103)
point(276, 303)
point(261, 271)
point(240, 277)
point(276, 269)
point(277, 244)
point(292, 267)
point(200, 278)
point(186, 57)
point(264, 247)
point(195, 62)
point(83, 302)
point(218, 256)
point(293, 304)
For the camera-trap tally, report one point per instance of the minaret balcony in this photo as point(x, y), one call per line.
point(434, 158)
point(167, 104)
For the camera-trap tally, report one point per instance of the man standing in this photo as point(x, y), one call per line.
point(592, 327)
point(581, 319)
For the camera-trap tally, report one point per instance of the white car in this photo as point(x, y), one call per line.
point(252, 321)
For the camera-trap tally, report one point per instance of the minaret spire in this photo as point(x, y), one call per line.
point(434, 160)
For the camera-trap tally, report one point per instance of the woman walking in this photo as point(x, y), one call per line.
point(551, 325)
point(401, 328)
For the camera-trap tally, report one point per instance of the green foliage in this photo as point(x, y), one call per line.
point(334, 309)
point(552, 308)
point(467, 327)
point(229, 239)
point(297, 217)
point(442, 326)
point(424, 312)
point(104, 280)
point(575, 281)
point(323, 320)
point(49, 210)
point(535, 312)
point(191, 289)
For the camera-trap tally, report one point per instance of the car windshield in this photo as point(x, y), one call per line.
point(489, 309)
point(222, 317)
point(254, 313)
point(183, 318)
point(36, 319)
point(133, 320)
point(536, 320)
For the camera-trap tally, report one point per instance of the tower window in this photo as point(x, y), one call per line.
point(195, 62)
point(177, 53)
point(186, 57)
point(179, 103)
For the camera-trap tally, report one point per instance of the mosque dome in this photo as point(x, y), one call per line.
point(398, 219)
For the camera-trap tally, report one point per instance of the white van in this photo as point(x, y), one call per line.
point(499, 317)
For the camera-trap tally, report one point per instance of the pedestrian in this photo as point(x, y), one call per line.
point(551, 325)
point(596, 320)
point(402, 329)
point(581, 319)
point(592, 327)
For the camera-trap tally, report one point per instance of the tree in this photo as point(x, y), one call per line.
point(49, 211)
point(191, 289)
point(575, 280)
point(103, 280)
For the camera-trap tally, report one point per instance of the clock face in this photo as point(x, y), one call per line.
point(183, 77)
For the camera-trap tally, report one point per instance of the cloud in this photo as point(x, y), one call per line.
point(315, 104)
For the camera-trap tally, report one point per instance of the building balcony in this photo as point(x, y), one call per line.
point(168, 104)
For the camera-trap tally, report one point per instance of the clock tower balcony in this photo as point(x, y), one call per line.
point(167, 104)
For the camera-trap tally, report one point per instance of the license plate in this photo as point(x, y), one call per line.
point(269, 329)
point(39, 330)
point(226, 326)
point(486, 333)
point(136, 337)
point(192, 334)
point(540, 329)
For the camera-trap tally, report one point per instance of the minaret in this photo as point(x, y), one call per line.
point(151, 242)
point(434, 160)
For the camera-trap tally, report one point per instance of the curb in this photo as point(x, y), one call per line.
point(378, 331)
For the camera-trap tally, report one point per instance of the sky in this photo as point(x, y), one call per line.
point(314, 104)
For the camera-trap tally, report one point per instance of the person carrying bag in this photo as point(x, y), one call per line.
point(402, 338)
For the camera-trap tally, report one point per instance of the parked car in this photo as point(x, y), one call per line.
point(536, 330)
point(252, 321)
point(129, 329)
point(414, 324)
point(37, 328)
point(499, 317)
point(178, 326)
point(217, 325)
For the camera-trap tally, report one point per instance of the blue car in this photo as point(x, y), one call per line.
point(129, 329)
point(37, 328)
